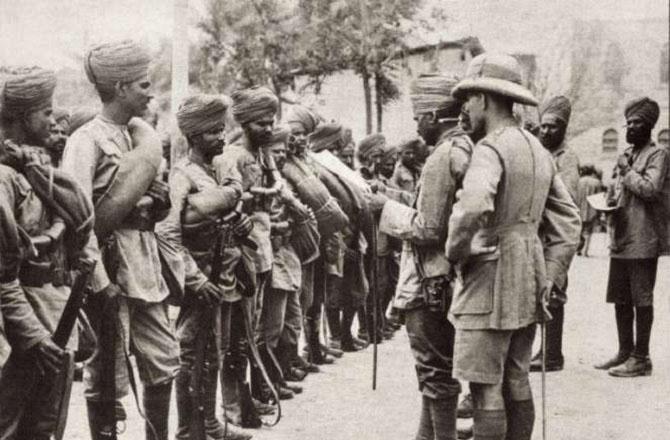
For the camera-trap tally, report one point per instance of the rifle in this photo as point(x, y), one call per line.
point(208, 318)
point(53, 411)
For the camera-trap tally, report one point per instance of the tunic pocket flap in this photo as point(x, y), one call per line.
point(476, 294)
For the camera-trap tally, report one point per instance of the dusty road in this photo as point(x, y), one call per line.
point(583, 403)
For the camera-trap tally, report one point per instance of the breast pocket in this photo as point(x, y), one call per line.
point(478, 283)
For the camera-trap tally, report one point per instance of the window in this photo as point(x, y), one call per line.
point(610, 140)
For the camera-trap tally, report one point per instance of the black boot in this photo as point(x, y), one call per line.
point(520, 419)
point(333, 318)
point(213, 427)
point(157, 409)
point(184, 407)
point(425, 431)
point(644, 318)
point(101, 420)
point(238, 406)
point(443, 414)
point(348, 342)
point(316, 356)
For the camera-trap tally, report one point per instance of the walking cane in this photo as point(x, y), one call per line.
point(375, 310)
point(543, 349)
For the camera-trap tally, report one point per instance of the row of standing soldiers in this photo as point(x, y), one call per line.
point(252, 240)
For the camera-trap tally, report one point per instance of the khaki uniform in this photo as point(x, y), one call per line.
point(32, 307)
point(92, 156)
point(514, 227)
point(423, 230)
point(567, 164)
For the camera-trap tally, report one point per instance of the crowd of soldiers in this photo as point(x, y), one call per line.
point(463, 234)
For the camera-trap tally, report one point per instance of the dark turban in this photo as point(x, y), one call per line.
point(253, 104)
point(325, 136)
point(370, 144)
point(27, 90)
point(414, 144)
point(304, 116)
point(201, 113)
point(118, 62)
point(432, 93)
point(558, 106)
point(644, 108)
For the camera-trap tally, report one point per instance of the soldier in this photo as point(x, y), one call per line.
point(201, 121)
point(554, 119)
point(511, 186)
point(638, 231)
point(33, 293)
point(406, 174)
point(115, 157)
point(254, 109)
point(423, 292)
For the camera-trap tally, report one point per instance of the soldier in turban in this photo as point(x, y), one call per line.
point(388, 162)
point(639, 231)
point(32, 290)
point(423, 266)
point(254, 109)
point(194, 189)
point(346, 153)
point(116, 158)
point(554, 119)
point(302, 122)
point(370, 152)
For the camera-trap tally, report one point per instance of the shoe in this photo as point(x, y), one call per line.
point(335, 344)
point(264, 409)
point(465, 408)
point(284, 393)
point(617, 360)
point(295, 374)
point(233, 433)
point(324, 360)
point(633, 367)
point(308, 367)
point(465, 433)
point(361, 342)
point(296, 389)
point(350, 346)
point(550, 365)
point(332, 351)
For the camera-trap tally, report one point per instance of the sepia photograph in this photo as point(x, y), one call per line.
point(334, 219)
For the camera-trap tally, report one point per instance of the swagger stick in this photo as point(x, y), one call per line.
point(543, 349)
point(375, 295)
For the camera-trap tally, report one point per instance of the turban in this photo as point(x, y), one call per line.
point(645, 108)
point(558, 106)
point(201, 113)
point(370, 144)
point(432, 93)
point(119, 62)
point(60, 114)
point(411, 144)
point(389, 152)
point(253, 103)
point(325, 136)
point(27, 90)
point(81, 116)
point(308, 118)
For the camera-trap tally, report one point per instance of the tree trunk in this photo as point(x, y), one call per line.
point(368, 102)
point(378, 101)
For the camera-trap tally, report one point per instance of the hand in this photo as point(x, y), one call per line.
point(110, 292)
point(545, 301)
point(209, 294)
point(623, 164)
point(376, 201)
point(49, 355)
point(243, 226)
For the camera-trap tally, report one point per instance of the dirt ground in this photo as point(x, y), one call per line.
point(582, 403)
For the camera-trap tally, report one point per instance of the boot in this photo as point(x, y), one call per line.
point(633, 367)
point(283, 354)
point(238, 406)
point(184, 410)
point(101, 420)
point(316, 356)
point(302, 364)
point(425, 422)
point(443, 414)
point(520, 419)
point(554, 346)
point(335, 352)
point(333, 319)
point(624, 323)
point(156, 399)
point(213, 427)
point(490, 424)
point(348, 342)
